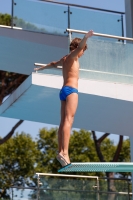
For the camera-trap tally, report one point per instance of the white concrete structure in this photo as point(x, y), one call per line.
point(103, 106)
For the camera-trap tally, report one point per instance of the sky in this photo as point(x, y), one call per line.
point(33, 127)
point(117, 5)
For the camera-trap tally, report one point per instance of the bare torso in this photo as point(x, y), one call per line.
point(70, 72)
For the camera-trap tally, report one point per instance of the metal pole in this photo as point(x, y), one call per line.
point(70, 34)
point(128, 190)
point(98, 197)
point(81, 6)
point(122, 26)
point(12, 13)
point(68, 16)
point(37, 186)
point(100, 34)
point(12, 193)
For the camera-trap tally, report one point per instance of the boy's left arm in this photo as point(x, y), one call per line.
point(53, 64)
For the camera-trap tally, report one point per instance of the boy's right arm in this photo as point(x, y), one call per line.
point(83, 41)
point(81, 44)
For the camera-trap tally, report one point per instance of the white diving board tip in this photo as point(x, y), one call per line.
point(98, 167)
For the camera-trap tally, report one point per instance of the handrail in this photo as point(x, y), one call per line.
point(71, 176)
point(14, 27)
point(88, 70)
point(100, 34)
point(67, 175)
point(81, 6)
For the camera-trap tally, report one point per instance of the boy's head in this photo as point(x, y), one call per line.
point(74, 44)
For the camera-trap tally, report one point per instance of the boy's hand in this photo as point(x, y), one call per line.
point(89, 34)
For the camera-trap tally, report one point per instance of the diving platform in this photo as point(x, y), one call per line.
point(103, 106)
point(105, 81)
point(98, 167)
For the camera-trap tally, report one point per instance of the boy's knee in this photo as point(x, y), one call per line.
point(69, 120)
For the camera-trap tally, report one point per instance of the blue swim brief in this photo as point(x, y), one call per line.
point(65, 91)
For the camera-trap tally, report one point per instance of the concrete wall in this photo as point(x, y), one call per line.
point(129, 18)
point(19, 49)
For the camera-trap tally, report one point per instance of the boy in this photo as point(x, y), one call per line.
point(68, 93)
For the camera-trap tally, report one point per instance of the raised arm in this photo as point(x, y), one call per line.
point(81, 44)
point(53, 64)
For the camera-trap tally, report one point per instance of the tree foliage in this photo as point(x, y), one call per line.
point(21, 157)
point(18, 158)
point(27, 26)
point(9, 81)
point(5, 19)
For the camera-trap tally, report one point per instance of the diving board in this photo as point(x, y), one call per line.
point(98, 167)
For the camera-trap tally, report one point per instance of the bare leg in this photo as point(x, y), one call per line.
point(60, 131)
point(70, 110)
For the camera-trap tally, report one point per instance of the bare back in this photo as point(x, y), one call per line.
point(70, 71)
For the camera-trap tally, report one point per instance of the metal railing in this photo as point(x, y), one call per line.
point(69, 12)
point(81, 6)
point(96, 186)
point(10, 27)
point(50, 183)
point(100, 34)
point(36, 190)
point(87, 70)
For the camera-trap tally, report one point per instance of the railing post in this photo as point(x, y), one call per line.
point(70, 33)
point(70, 36)
point(68, 16)
point(38, 187)
point(12, 13)
point(129, 18)
point(122, 26)
point(98, 196)
point(69, 40)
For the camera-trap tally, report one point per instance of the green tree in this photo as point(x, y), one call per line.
point(27, 26)
point(21, 158)
point(125, 152)
point(125, 156)
point(102, 146)
point(9, 81)
point(47, 144)
point(82, 149)
point(5, 19)
point(18, 160)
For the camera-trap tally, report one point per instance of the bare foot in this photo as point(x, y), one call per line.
point(64, 160)
point(66, 156)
